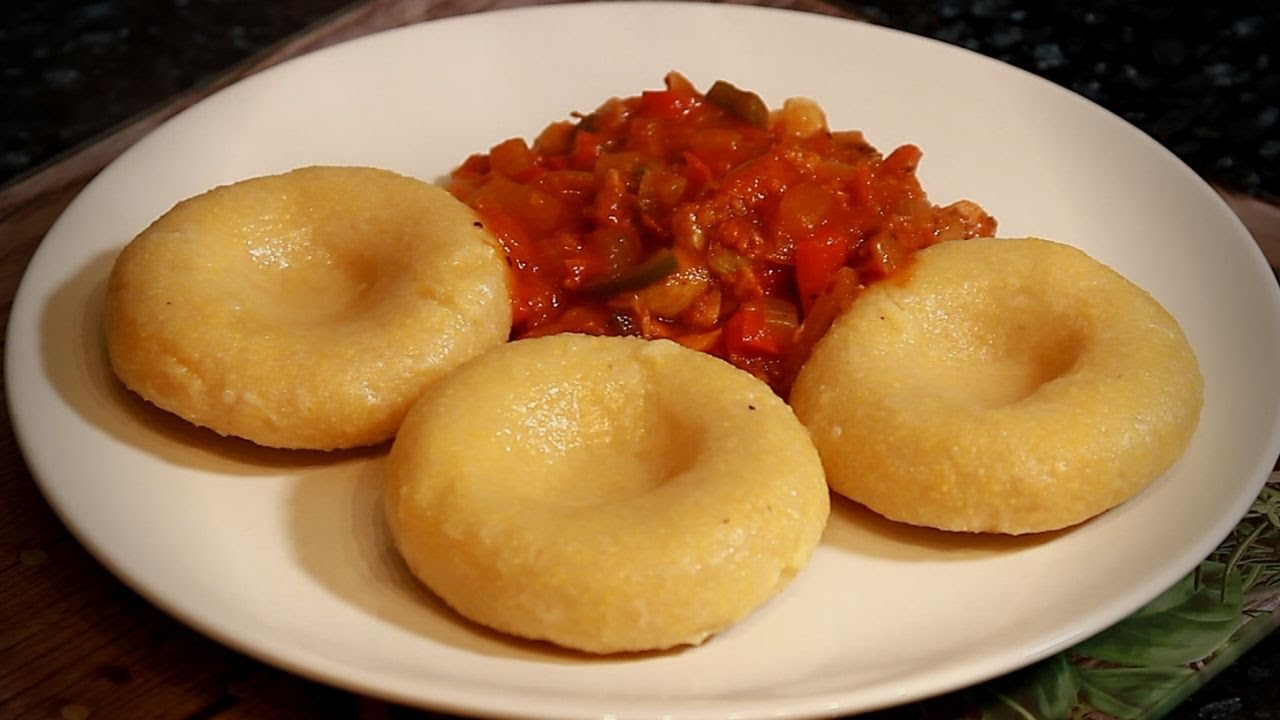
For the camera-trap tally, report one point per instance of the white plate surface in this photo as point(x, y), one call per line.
point(284, 556)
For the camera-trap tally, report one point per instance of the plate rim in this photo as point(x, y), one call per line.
point(788, 707)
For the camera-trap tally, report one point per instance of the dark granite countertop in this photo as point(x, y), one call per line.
point(1203, 79)
point(75, 69)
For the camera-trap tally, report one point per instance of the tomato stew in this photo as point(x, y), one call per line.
point(704, 218)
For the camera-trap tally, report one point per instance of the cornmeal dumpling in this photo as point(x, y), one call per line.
point(305, 310)
point(606, 494)
point(1000, 385)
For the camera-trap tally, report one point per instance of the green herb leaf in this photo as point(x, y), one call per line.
point(1048, 690)
point(1183, 625)
point(1129, 693)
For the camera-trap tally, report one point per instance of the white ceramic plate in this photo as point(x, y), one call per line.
point(284, 556)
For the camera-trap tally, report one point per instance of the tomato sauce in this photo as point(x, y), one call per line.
point(705, 218)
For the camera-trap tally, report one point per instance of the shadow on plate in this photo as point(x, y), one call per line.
point(855, 529)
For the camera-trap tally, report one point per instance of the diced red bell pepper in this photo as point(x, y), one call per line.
point(662, 104)
point(514, 159)
point(586, 150)
point(817, 258)
point(761, 328)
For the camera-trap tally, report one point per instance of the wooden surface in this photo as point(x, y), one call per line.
point(74, 642)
